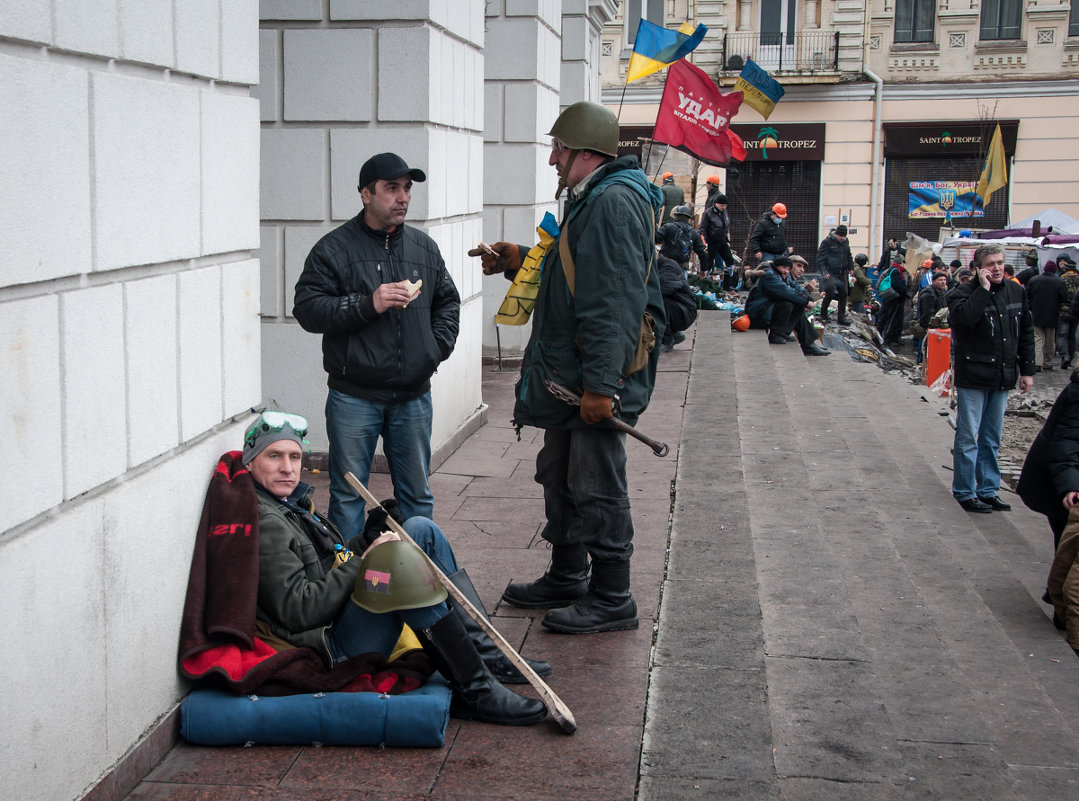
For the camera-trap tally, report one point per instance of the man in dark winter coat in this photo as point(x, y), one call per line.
point(1068, 324)
point(715, 229)
point(835, 262)
point(779, 306)
point(679, 302)
point(930, 300)
point(673, 197)
point(769, 237)
point(585, 338)
point(388, 311)
point(1046, 293)
point(890, 316)
point(994, 347)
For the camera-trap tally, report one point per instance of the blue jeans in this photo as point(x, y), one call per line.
point(979, 418)
point(354, 426)
point(359, 631)
point(585, 495)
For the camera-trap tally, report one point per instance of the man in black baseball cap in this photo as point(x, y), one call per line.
point(379, 293)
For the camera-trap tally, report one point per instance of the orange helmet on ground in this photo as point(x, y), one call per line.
point(780, 209)
point(712, 179)
point(740, 323)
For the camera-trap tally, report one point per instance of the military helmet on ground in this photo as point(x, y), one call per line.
point(396, 575)
point(587, 126)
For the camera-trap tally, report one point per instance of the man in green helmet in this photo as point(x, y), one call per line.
point(316, 590)
point(598, 280)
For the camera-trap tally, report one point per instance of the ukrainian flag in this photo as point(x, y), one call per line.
point(656, 47)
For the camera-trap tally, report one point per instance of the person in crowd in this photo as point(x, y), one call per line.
point(892, 300)
point(962, 275)
point(712, 184)
point(993, 337)
point(678, 240)
point(887, 256)
point(715, 230)
point(796, 278)
point(380, 294)
point(311, 580)
point(679, 302)
point(835, 262)
point(1068, 323)
point(768, 239)
point(588, 336)
point(777, 306)
point(930, 300)
point(859, 291)
point(1046, 293)
point(673, 197)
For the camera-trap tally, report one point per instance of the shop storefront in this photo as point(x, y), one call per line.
point(783, 164)
point(931, 170)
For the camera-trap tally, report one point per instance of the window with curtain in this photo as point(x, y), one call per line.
point(651, 10)
point(1000, 19)
point(914, 20)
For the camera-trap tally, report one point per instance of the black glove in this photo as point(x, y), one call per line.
point(376, 524)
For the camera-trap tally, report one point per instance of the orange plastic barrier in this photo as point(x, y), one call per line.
point(938, 356)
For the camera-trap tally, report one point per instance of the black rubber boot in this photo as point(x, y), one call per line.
point(501, 667)
point(477, 695)
point(565, 581)
point(608, 606)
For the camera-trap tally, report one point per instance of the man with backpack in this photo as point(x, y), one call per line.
point(678, 239)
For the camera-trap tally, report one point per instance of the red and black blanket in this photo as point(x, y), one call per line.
point(218, 643)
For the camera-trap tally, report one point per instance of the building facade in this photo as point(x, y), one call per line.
point(887, 103)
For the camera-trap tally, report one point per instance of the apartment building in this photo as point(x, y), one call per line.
point(883, 99)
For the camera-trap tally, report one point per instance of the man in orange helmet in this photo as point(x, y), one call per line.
point(769, 238)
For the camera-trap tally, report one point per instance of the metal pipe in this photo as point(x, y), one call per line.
point(874, 200)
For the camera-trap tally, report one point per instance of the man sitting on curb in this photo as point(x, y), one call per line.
point(775, 305)
point(310, 577)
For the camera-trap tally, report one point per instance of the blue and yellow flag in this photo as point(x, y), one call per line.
point(761, 91)
point(656, 47)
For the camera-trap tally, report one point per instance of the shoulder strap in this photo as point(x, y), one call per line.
point(570, 269)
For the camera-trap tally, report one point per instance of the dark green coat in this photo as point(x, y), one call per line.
point(585, 341)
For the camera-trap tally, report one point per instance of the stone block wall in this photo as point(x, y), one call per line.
point(338, 85)
point(129, 317)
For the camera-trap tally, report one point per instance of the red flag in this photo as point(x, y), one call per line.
point(694, 115)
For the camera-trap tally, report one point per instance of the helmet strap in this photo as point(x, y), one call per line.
point(562, 178)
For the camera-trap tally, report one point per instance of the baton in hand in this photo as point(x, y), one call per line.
point(573, 399)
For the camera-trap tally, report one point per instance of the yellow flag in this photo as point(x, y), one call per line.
point(520, 298)
point(995, 173)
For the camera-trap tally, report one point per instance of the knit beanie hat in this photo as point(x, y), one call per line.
point(271, 427)
point(1050, 267)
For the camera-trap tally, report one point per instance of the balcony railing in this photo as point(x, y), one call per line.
point(812, 52)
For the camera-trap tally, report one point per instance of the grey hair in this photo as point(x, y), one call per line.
point(986, 250)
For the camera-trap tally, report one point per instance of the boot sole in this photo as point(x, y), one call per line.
point(613, 625)
point(553, 603)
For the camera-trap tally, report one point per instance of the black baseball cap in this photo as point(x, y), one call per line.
point(387, 167)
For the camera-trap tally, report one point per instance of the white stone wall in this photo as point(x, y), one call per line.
point(335, 90)
point(129, 322)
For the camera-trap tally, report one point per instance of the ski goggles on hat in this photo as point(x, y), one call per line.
point(273, 421)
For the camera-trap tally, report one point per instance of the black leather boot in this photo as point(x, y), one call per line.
point(565, 581)
point(501, 667)
point(608, 606)
point(477, 695)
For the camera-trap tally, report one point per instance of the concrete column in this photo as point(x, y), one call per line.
point(127, 312)
point(341, 82)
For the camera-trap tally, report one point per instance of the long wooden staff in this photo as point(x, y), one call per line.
point(559, 711)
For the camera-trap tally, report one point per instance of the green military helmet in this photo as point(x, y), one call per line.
point(396, 575)
point(587, 126)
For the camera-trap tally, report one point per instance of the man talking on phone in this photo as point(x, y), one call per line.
point(993, 335)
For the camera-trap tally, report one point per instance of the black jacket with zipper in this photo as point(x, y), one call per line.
point(992, 333)
point(387, 357)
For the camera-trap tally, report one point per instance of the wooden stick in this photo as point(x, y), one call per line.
point(559, 711)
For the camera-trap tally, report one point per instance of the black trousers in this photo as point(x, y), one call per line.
point(834, 288)
point(788, 318)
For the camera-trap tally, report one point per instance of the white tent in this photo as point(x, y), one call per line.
point(1060, 222)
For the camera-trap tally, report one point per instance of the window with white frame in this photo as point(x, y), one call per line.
point(651, 10)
